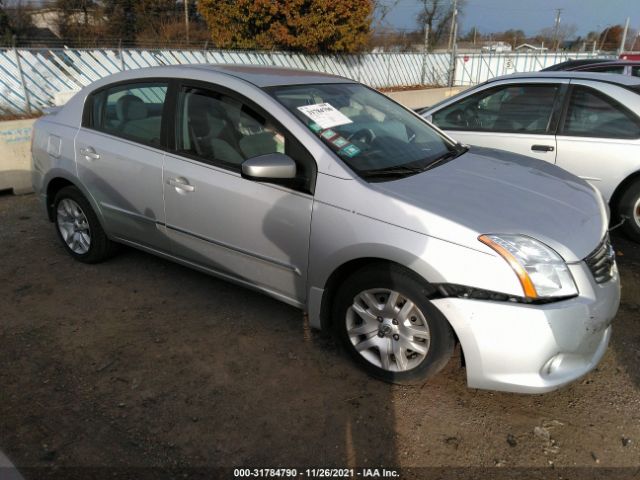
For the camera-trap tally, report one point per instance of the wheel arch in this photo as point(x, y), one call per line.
point(58, 179)
point(53, 187)
point(343, 271)
point(620, 189)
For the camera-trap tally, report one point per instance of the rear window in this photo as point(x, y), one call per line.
point(594, 114)
point(132, 111)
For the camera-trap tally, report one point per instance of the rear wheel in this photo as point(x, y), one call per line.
point(629, 207)
point(385, 321)
point(78, 227)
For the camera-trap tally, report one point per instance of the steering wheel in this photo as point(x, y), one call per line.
point(364, 135)
point(471, 118)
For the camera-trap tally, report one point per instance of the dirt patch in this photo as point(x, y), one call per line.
point(138, 362)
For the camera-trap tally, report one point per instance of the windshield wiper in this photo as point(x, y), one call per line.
point(450, 155)
point(401, 171)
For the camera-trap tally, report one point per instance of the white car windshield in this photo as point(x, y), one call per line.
point(373, 135)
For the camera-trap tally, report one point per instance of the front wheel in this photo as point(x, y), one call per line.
point(385, 321)
point(629, 207)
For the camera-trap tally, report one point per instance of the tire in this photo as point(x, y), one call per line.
point(629, 207)
point(78, 227)
point(415, 331)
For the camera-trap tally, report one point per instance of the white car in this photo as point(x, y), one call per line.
point(586, 123)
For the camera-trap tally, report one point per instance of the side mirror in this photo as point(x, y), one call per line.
point(271, 166)
point(428, 118)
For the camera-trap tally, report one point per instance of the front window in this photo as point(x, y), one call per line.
point(507, 109)
point(374, 136)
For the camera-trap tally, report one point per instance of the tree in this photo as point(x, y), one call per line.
point(301, 25)
point(611, 37)
point(75, 21)
point(122, 20)
point(6, 32)
point(565, 32)
point(512, 37)
point(436, 16)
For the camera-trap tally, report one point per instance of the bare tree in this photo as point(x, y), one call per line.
point(565, 32)
point(435, 15)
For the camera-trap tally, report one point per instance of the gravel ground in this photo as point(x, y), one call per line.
point(147, 367)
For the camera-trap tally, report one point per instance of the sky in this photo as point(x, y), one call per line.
point(531, 16)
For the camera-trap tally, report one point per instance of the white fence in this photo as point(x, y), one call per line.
point(472, 69)
point(30, 79)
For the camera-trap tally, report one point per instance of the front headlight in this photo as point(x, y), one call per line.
point(541, 271)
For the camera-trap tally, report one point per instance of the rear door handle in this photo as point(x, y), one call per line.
point(89, 153)
point(181, 184)
point(542, 148)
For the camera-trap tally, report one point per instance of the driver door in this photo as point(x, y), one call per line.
point(256, 233)
point(517, 117)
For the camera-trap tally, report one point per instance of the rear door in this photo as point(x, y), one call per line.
point(519, 117)
point(119, 155)
point(256, 233)
point(599, 136)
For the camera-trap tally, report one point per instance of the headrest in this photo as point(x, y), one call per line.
point(130, 107)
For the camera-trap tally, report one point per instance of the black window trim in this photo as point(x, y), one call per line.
point(554, 118)
point(565, 111)
point(172, 146)
point(87, 113)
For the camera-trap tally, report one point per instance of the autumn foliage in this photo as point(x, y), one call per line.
point(310, 26)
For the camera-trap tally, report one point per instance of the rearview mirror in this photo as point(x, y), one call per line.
point(270, 166)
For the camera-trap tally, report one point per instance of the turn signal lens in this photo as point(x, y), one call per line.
point(541, 271)
point(523, 276)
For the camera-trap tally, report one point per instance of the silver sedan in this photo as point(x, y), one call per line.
point(327, 195)
point(586, 123)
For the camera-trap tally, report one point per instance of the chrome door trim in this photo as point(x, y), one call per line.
point(241, 251)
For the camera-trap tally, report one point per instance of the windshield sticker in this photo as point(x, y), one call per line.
point(340, 142)
point(327, 134)
point(315, 127)
point(350, 151)
point(325, 115)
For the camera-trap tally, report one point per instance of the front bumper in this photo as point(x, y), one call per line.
point(523, 348)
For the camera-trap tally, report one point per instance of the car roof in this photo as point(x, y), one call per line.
point(610, 63)
point(578, 62)
point(622, 80)
point(258, 75)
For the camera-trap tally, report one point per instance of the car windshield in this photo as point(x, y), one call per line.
point(373, 135)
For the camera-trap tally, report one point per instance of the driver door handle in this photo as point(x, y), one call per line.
point(542, 148)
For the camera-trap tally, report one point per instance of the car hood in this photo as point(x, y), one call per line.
point(493, 191)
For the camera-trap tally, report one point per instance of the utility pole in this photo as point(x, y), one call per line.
point(454, 18)
point(452, 43)
point(426, 37)
point(624, 37)
point(425, 53)
point(556, 34)
point(186, 18)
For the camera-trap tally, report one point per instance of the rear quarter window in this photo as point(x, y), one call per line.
point(130, 111)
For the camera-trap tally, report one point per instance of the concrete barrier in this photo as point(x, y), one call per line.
point(15, 161)
point(15, 138)
point(424, 98)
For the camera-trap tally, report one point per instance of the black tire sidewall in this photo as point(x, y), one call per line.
point(411, 286)
point(100, 245)
point(625, 208)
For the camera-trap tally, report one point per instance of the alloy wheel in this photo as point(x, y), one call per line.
point(73, 226)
